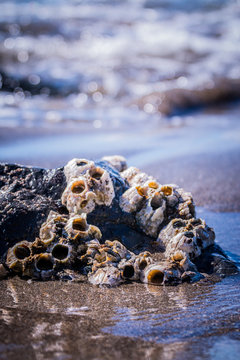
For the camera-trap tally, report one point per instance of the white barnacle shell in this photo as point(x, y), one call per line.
point(119, 248)
point(117, 161)
point(183, 241)
point(160, 274)
point(106, 276)
point(48, 228)
point(129, 174)
point(186, 207)
point(128, 269)
point(76, 168)
point(189, 236)
point(62, 252)
point(101, 184)
point(78, 228)
point(169, 231)
point(135, 177)
point(142, 260)
point(133, 198)
point(43, 266)
point(17, 256)
point(181, 258)
point(77, 196)
point(153, 274)
point(152, 214)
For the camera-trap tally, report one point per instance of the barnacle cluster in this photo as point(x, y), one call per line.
point(69, 245)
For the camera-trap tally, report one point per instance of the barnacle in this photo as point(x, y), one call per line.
point(17, 255)
point(117, 161)
point(78, 229)
point(107, 276)
point(76, 168)
point(109, 194)
point(77, 197)
point(52, 227)
point(189, 236)
point(160, 274)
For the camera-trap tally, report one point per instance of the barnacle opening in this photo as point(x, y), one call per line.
point(178, 224)
point(167, 190)
point(81, 163)
point(96, 173)
point(142, 191)
point(156, 201)
point(60, 251)
point(78, 187)
point(196, 222)
point(155, 277)
point(44, 262)
point(128, 271)
point(79, 225)
point(22, 251)
point(153, 185)
point(142, 265)
point(83, 204)
point(189, 234)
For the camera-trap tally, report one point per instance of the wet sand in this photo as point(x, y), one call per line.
point(56, 320)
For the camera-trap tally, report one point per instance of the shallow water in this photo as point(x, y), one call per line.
point(56, 320)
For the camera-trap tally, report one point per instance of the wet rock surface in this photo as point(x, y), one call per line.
point(26, 197)
point(88, 219)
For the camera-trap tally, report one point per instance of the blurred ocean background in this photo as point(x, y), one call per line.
point(108, 64)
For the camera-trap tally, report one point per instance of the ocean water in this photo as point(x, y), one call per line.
point(115, 62)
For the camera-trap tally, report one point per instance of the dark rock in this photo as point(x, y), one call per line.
point(214, 261)
point(26, 197)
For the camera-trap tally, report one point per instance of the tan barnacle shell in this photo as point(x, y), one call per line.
point(78, 228)
point(186, 242)
point(151, 216)
point(17, 256)
point(172, 195)
point(106, 276)
point(48, 228)
point(43, 266)
point(76, 168)
point(63, 253)
point(128, 269)
point(101, 184)
point(133, 198)
point(143, 260)
point(117, 161)
point(186, 206)
point(182, 259)
point(204, 234)
point(153, 274)
point(160, 274)
point(169, 231)
point(77, 196)
point(189, 236)
point(119, 248)
point(129, 174)
point(86, 252)
point(135, 177)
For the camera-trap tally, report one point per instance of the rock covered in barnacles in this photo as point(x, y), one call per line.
point(106, 222)
point(190, 236)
